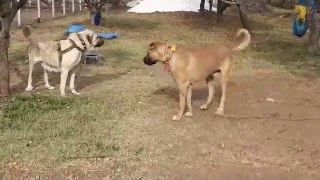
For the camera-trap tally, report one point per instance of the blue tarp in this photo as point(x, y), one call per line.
point(76, 28)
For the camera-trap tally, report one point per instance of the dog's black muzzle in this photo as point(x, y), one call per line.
point(99, 43)
point(148, 61)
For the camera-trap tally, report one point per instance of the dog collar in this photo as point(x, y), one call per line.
point(173, 49)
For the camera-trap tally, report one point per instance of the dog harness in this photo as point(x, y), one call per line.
point(73, 46)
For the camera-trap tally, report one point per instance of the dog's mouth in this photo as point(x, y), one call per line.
point(149, 61)
point(99, 42)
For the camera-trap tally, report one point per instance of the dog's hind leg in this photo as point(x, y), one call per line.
point(210, 83)
point(72, 78)
point(31, 65)
point(46, 79)
point(225, 71)
point(189, 103)
point(63, 81)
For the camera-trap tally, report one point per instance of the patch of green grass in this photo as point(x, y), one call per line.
point(48, 129)
point(26, 108)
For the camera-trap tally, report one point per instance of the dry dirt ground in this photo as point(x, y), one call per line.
point(271, 130)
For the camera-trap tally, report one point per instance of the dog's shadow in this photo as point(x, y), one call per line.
point(197, 93)
point(81, 81)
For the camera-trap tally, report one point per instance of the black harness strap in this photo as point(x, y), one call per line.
point(73, 46)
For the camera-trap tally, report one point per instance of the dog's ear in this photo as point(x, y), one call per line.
point(89, 38)
point(152, 46)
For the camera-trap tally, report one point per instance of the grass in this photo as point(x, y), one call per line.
point(46, 130)
point(53, 129)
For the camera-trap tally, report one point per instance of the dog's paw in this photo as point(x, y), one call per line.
point(219, 112)
point(49, 87)
point(176, 118)
point(29, 88)
point(75, 92)
point(204, 107)
point(189, 114)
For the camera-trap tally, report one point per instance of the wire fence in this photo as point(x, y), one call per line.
point(39, 11)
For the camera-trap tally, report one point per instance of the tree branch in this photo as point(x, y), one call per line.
point(15, 7)
point(21, 4)
point(229, 2)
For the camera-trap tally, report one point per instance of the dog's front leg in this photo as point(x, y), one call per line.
point(72, 78)
point(182, 101)
point(30, 87)
point(63, 81)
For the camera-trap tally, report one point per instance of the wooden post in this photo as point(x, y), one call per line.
point(19, 17)
point(53, 9)
point(64, 7)
point(39, 9)
point(80, 6)
point(72, 1)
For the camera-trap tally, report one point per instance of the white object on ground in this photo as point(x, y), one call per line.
point(150, 6)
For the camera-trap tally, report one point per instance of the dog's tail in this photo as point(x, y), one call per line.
point(245, 43)
point(27, 34)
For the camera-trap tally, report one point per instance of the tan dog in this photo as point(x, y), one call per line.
point(63, 56)
point(193, 65)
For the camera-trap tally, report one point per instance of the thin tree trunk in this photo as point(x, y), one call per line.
point(93, 13)
point(220, 9)
point(314, 26)
point(211, 5)
point(4, 67)
point(282, 3)
point(202, 4)
point(243, 18)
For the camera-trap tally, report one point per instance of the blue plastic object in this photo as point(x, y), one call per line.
point(299, 28)
point(304, 3)
point(108, 36)
point(76, 28)
point(97, 19)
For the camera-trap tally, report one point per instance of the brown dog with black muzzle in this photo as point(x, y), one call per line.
point(189, 65)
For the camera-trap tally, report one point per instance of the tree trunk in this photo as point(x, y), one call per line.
point(202, 3)
point(282, 3)
point(314, 26)
point(243, 18)
point(93, 15)
point(4, 67)
point(210, 5)
point(220, 8)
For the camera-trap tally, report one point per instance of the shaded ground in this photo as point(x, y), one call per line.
point(120, 127)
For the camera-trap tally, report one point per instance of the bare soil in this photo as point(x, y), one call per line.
point(245, 144)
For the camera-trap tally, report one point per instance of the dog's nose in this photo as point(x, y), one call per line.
point(145, 60)
point(99, 43)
